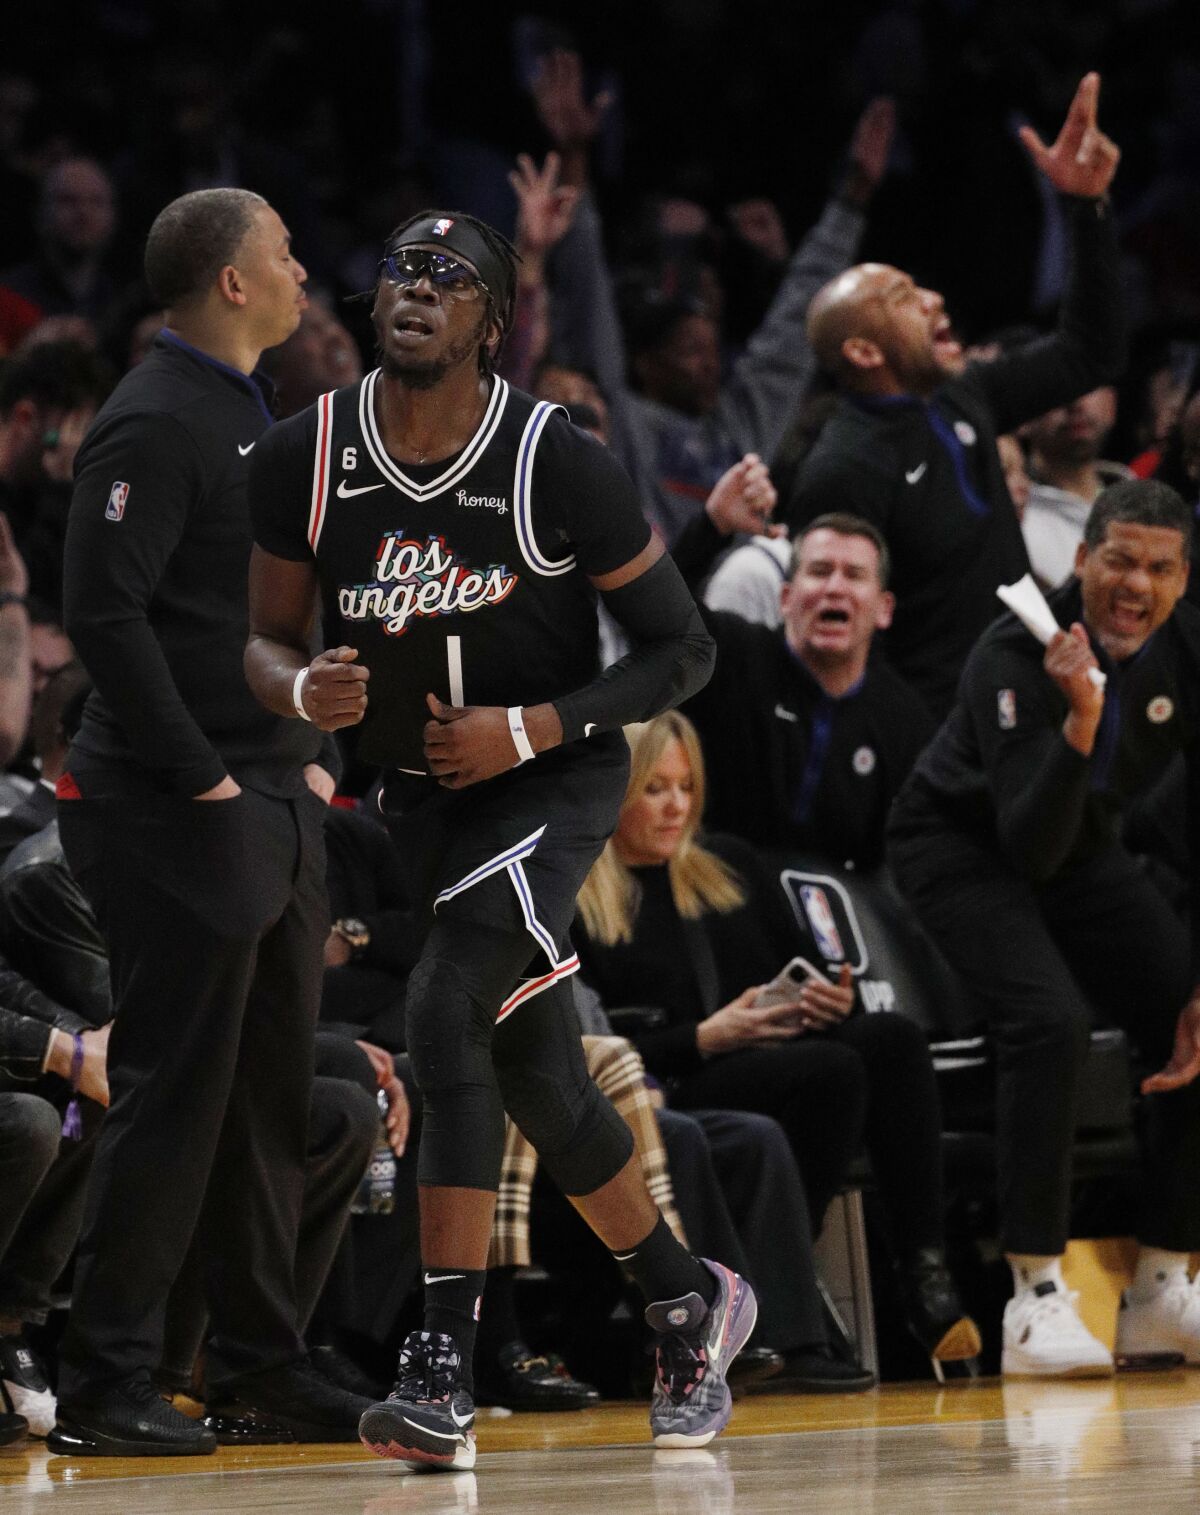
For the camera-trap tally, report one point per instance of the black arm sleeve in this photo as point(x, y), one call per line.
point(1088, 347)
point(112, 569)
point(1039, 783)
point(672, 656)
point(592, 508)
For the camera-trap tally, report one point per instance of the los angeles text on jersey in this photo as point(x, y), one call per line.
point(422, 579)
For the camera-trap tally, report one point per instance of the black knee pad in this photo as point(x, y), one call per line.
point(449, 1032)
point(581, 1140)
point(449, 1043)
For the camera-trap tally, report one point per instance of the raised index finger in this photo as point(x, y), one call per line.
point(1082, 113)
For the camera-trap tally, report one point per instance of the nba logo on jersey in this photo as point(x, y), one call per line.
point(440, 228)
point(822, 923)
point(115, 508)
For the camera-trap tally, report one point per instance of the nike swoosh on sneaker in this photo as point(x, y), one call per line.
point(245, 451)
point(461, 1420)
point(440, 1278)
point(915, 475)
point(346, 494)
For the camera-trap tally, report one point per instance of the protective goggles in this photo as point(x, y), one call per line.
point(408, 264)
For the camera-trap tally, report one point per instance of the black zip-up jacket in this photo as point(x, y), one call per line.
point(1001, 773)
point(157, 561)
point(788, 764)
point(928, 475)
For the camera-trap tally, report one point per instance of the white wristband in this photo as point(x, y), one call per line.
point(516, 724)
point(296, 700)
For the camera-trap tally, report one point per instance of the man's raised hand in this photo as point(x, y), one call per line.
point(545, 207)
point(570, 120)
point(743, 498)
point(334, 691)
point(871, 146)
point(1082, 160)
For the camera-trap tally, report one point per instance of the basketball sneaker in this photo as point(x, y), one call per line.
point(691, 1401)
point(1157, 1327)
point(1045, 1338)
point(428, 1419)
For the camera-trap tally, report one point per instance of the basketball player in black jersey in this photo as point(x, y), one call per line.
point(457, 532)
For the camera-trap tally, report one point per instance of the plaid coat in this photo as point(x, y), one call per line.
point(618, 1070)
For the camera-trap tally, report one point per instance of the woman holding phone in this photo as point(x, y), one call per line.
point(698, 930)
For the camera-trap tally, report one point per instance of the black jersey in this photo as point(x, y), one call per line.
point(467, 578)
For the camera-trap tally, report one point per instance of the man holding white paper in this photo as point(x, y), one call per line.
point(1006, 842)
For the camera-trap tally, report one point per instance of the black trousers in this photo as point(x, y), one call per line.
point(215, 916)
point(1036, 961)
point(870, 1078)
point(343, 1129)
point(43, 1179)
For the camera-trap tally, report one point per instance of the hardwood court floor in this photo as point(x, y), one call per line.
point(1132, 1444)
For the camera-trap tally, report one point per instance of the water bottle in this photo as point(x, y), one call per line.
point(377, 1190)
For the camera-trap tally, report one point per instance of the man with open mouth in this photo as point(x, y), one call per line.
point(912, 444)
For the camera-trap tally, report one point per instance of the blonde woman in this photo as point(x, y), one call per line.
point(695, 927)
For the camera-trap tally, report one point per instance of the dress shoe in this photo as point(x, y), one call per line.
point(524, 1380)
point(292, 1402)
point(753, 1365)
point(128, 1418)
point(343, 1371)
point(817, 1370)
point(935, 1313)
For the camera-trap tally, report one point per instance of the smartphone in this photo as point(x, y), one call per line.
point(785, 986)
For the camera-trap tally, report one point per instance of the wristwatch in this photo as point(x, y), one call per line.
point(355, 933)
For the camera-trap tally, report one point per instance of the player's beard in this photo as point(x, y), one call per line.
point(428, 373)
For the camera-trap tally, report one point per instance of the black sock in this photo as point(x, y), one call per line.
point(664, 1269)
point(453, 1297)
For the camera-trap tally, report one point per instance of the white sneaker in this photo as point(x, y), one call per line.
point(23, 1386)
point(1045, 1338)
point(1157, 1328)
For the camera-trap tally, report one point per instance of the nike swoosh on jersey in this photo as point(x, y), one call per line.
point(442, 1278)
point(915, 475)
point(245, 451)
point(345, 494)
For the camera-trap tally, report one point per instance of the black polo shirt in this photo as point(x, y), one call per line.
point(155, 583)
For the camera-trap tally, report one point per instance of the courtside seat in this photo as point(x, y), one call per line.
point(858, 917)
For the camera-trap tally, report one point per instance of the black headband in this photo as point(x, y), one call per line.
point(457, 235)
